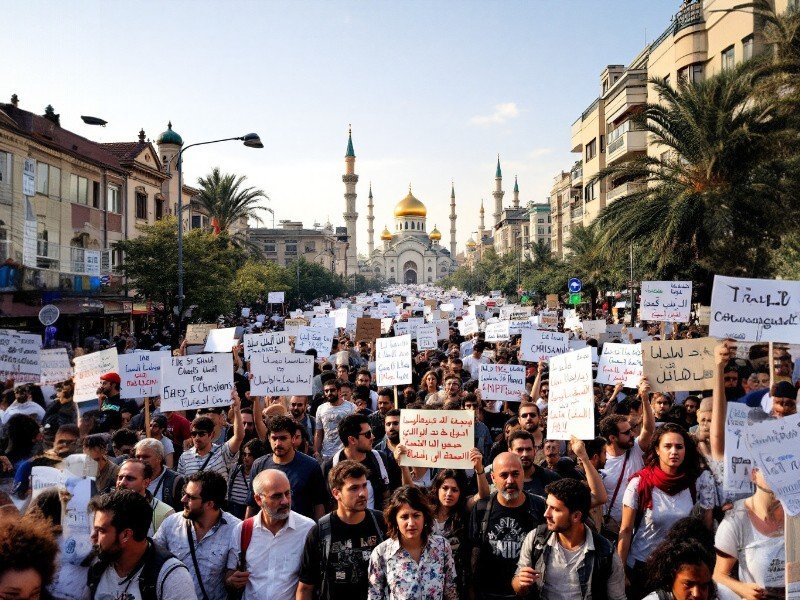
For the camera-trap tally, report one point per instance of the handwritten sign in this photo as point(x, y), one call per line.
point(548, 320)
point(755, 310)
point(197, 333)
point(737, 457)
point(290, 326)
point(140, 374)
point(666, 301)
point(276, 297)
point(593, 328)
point(552, 300)
point(620, 363)
point(199, 381)
point(427, 337)
point(468, 326)
point(316, 338)
point(393, 361)
point(220, 340)
point(437, 438)
point(402, 328)
point(281, 374)
point(264, 343)
point(775, 449)
point(89, 368)
point(539, 345)
point(20, 356)
point(339, 317)
point(570, 407)
point(502, 382)
point(497, 332)
point(55, 366)
point(368, 329)
point(679, 365)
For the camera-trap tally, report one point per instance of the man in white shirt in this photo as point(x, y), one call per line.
point(472, 363)
point(268, 567)
point(204, 455)
point(22, 405)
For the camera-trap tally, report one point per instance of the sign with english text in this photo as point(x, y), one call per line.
point(502, 382)
point(198, 381)
point(140, 374)
point(537, 345)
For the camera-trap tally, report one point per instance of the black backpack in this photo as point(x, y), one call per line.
point(154, 560)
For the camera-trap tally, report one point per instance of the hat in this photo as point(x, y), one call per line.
point(112, 377)
point(784, 389)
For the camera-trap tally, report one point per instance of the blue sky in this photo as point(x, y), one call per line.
point(434, 90)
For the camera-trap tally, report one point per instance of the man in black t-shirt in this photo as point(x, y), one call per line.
point(536, 478)
point(336, 554)
point(498, 526)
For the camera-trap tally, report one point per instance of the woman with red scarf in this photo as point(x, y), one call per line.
point(672, 485)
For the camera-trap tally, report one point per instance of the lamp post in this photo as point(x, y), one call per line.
point(251, 140)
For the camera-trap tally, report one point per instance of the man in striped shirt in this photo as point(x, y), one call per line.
point(204, 455)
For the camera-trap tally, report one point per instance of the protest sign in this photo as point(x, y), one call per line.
point(570, 407)
point(140, 375)
point(497, 332)
point(539, 345)
point(393, 361)
point(220, 340)
point(386, 325)
point(737, 457)
point(791, 533)
point(502, 382)
point(666, 301)
point(261, 343)
point(55, 366)
point(755, 310)
point(413, 323)
point(324, 322)
point(339, 317)
point(368, 329)
point(317, 338)
point(290, 326)
point(775, 449)
point(76, 525)
point(620, 363)
point(437, 438)
point(468, 326)
point(466, 348)
point(19, 356)
point(197, 333)
point(281, 374)
point(402, 328)
point(427, 337)
point(679, 365)
point(548, 320)
point(276, 297)
point(44, 478)
point(447, 307)
point(199, 381)
point(593, 328)
point(442, 329)
point(89, 368)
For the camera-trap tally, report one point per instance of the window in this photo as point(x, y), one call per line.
point(605, 85)
point(42, 185)
point(141, 207)
point(591, 149)
point(78, 189)
point(590, 192)
point(747, 48)
point(692, 73)
point(96, 194)
point(197, 220)
point(55, 181)
point(602, 143)
point(310, 247)
point(291, 247)
point(541, 230)
point(540, 220)
point(159, 208)
point(269, 247)
point(728, 58)
point(114, 199)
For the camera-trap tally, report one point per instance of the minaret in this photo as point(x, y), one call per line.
point(452, 220)
point(350, 215)
point(370, 219)
point(482, 227)
point(516, 193)
point(498, 194)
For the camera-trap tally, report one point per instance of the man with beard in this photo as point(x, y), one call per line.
point(385, 404)
point(136, 475)
point(578, 562)
point(337, 550)
point(498, 526)
point(166, 484)
point(200, 535)
point(128, 564)
point(268, 561)
point(520, 443)
point(531, 422)
point(391, 425)
point(298, 407)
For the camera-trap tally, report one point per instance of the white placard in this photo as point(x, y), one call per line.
point(437, 438)
point(413, 323)
point(468, 326)
point(140, 374)
point(276, 297)
point(281, 374)
point(737, 457)
point(246, 312)
point(402, 328)
point(442, 329)
point(548, 320)
point(89, 368)
point(775, 449)
point(502, 382)
point(593, 328)
point(199, 381)
point(339, 317)
point(570, 407)
point(427, 337)
point(316, 338)
point(290, 326)
point(324, 322)
point(386, 325)
point(220, 340)
point(539, 345)
point(666, 301)
point(447, 307)
point(20, 356)
point(261, 343)
point(55, 366)
point(755, 310)
point(620, 363)
point(497, 332)
point(393, 361)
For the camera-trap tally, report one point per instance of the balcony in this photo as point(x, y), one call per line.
point(623, 190)
point(630, 141)
point(576, 174)
point(576, 214)
point(691, 14)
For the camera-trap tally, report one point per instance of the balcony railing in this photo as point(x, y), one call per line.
point(576, 174)
point(689, 15)
point(624, 189)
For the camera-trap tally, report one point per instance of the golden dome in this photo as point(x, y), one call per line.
point(471, 243)
point(435, 235)
point(410, 207)
point(386, 236)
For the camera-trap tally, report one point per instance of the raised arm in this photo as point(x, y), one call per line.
point(480, 477)
point(537, 383)
point(648, 419)
point(238, 427)
point(719, 403)
point(599, 493)
point(258, 417)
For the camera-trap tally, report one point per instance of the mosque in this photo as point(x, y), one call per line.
point(409, 253)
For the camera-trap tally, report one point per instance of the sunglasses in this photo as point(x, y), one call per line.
point(198, 433)
point(366, 434)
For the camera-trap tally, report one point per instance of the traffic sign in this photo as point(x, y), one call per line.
point(49, 315)
point(574, 285)
point(575, 299)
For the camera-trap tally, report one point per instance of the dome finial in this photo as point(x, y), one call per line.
point(350, 152)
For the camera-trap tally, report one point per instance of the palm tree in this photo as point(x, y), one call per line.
point(718, 199)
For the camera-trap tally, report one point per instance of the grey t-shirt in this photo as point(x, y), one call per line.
point(174, 583)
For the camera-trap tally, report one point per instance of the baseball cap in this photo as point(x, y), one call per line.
point(112, 377)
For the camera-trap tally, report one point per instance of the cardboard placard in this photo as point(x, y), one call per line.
point(502, 382)
point(368, 329)
point(281, 374)
point(197, 333)
point(89, 368)
point(679, 365)
point(199, 381)
point(437, 438)
point(140, 374)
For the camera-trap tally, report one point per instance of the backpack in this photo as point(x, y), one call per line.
point(154, 560)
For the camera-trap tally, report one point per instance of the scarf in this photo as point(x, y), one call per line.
point(653, 477)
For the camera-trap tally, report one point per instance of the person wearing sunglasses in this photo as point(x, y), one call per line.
point(357, 438)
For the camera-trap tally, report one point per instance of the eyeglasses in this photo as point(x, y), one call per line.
point(366, 434)
point(626, 432)
point(198, 433)
point(529, 416)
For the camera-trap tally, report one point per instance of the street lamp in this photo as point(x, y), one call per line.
point(251, 140)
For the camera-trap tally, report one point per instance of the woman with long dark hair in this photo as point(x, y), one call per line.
point(681, 571)
point(671, 485)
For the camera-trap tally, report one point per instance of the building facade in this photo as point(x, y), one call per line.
point(324, 246)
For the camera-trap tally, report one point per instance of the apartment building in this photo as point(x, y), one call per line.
point(539, 226)
point(291, 241)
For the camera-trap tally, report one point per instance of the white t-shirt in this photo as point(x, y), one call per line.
point(762, 559)
point(174, 583)
point(611, 474)
point(328, 419)
point(666, 510)
point(169, 447)
point(567, 586)
point(473, 365)
point(24, 408)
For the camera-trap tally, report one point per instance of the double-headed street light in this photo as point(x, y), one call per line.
point(251, 140)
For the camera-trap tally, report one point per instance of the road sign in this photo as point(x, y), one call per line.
point(575, 299)
point(49, 315)
point(574, 285)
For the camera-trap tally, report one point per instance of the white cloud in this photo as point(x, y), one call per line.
point(502, 113)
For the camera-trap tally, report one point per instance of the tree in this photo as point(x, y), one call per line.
point(314, 281)
point(255, 279)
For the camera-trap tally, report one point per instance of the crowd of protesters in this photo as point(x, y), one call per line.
point(273, 498)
